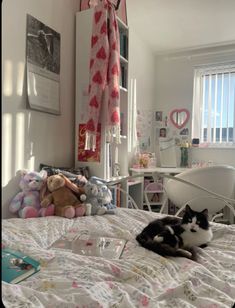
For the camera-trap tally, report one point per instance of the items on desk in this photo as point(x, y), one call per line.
point(145, 160)
point(195, 142)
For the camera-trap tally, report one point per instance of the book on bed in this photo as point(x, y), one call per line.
point(17, 266)
point(91, 245)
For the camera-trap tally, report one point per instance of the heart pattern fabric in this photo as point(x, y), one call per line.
point(104, 73)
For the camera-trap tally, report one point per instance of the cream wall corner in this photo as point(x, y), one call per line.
point(31, 137)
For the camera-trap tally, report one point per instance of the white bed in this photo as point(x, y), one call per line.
point(139, 279)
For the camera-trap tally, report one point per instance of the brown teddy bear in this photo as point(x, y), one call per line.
point(66, 196)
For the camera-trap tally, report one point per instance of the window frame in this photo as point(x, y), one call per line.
point(197, 107)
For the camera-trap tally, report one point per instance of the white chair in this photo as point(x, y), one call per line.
point(209, 187)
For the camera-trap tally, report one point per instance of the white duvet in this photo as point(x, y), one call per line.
point(139, 279)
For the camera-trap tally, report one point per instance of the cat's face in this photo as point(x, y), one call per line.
point(194, 221)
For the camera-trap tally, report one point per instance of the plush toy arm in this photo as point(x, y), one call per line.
point(47, 200)
point(83, 197)
point(16, 202)
point(88, 209)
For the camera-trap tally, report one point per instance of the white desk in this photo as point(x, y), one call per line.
point(167, 170)
point(150, 172)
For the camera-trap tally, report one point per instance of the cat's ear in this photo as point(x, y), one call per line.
point(188, 208)
point(205, 212)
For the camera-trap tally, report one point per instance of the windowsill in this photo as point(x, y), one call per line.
point(229, 147)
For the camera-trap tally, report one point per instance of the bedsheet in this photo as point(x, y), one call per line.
point(140, 278)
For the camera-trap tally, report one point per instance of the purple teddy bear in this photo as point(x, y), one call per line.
point(27, 202)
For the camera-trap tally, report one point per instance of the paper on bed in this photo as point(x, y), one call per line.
point(107, 247)
point(91, 245)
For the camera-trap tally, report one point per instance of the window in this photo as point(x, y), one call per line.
point(214, 105)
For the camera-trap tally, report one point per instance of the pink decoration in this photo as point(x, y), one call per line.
point(183, 114)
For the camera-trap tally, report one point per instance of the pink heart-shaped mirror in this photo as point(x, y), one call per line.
point(179, 117)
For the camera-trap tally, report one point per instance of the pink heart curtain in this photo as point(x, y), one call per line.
point(104, 74)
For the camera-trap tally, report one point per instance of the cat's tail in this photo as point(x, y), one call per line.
point(162, 249)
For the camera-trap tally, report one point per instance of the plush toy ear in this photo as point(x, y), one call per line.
point(69, 184)
point(23, 172)
point(43, 174)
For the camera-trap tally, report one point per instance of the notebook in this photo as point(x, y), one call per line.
point(17, 266)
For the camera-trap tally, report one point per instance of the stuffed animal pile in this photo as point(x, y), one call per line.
point(57, 195)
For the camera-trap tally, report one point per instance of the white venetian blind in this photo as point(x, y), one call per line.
point(214, 105)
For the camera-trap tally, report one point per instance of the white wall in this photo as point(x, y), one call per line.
point(142, 69)
point(32, 137)
point(174, 89)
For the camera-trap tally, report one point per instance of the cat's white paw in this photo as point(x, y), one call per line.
point(158, 239)
point(187, 253)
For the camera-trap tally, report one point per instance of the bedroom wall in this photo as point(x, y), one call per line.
point(142, 69)
point(174, 89)
point(32, 137)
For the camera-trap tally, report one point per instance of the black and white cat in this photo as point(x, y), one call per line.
point(173, 236)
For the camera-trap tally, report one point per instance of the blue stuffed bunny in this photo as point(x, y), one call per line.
point(99, 197)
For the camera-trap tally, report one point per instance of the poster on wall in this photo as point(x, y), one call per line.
point(88, 155)
point(43, 66)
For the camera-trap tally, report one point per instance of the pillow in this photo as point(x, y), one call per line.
point(70, 173)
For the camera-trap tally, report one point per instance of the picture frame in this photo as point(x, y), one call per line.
point(158, 116)
point(162, 132)
point(43, 66)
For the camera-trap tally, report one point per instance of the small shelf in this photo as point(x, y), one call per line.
point(131, 183)
point(121, 136)
point(123, 89)
point(122, 24)
point(123, 60)
point(153, 203)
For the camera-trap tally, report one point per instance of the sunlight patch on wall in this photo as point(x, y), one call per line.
point(31, 160)
point(7, 78)
point(34, 86)
point(20, 78)
point(31, 163)
point(7, 148)
point(132, 116)
point(20, 138)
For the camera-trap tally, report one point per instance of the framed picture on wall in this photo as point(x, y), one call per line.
point(158, 116)
point(162, 132)
point(88, 155)
point(43, 66)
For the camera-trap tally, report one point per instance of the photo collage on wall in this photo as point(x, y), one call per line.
point(144, 124)
point(174, 124)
